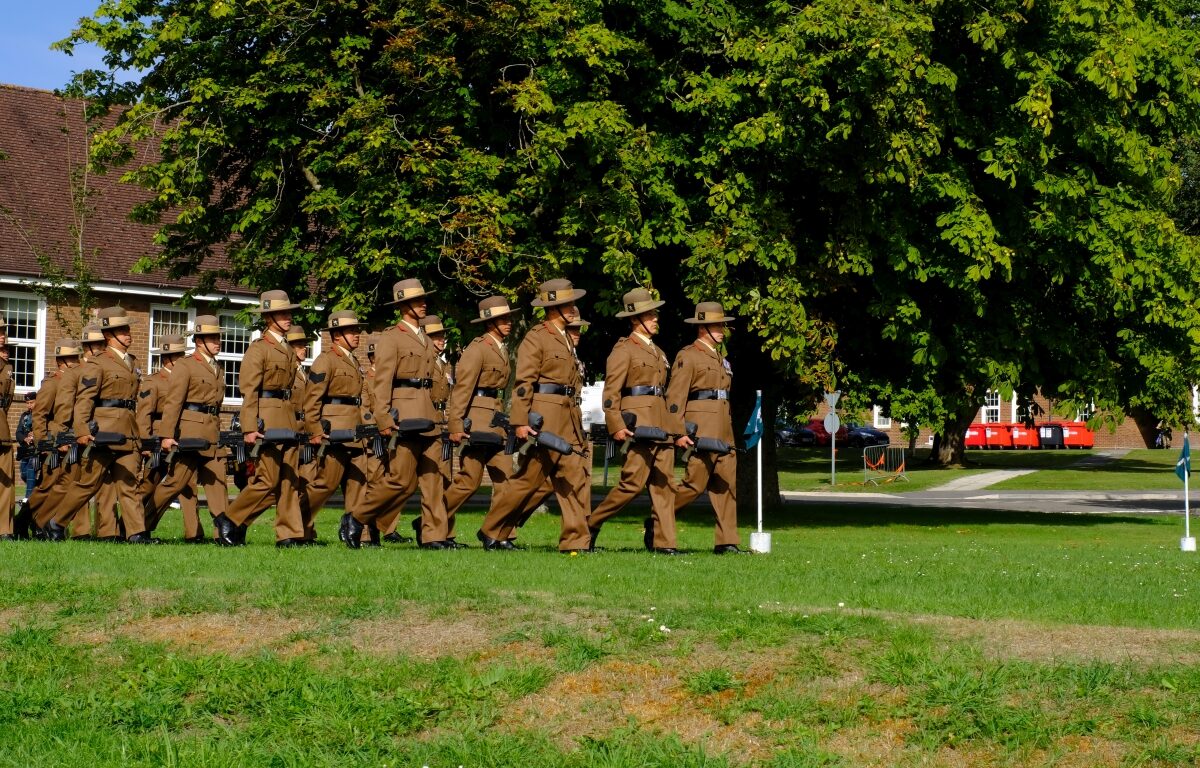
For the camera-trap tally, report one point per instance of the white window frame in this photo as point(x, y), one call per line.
point(988, 410)
point(38, 343)
point(879, 420)
point(151, 355)
point(225, 357)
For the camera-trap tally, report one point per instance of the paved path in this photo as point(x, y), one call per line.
point(982, 480)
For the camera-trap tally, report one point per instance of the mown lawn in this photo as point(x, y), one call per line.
point(905, 637)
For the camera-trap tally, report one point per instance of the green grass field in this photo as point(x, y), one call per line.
point(905, 637)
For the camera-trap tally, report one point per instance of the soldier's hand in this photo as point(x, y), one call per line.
point(168, 444)
point(685, 442)
point(250, 438)
point(622, 435)
point(457, 437)
point(84, 439)
point(523, 432)
point(316, 439)
point(387, 432)
point(28, 439)
point(64, 448)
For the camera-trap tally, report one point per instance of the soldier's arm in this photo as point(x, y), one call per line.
point(529, 363)
point(466, 379)
point(616, 370)
point(386, 356)
point(86, 393)
point(250, 379)
point(43, 408)
point(172, 402)
point(677, 391)
point(147, 403)
point(318, 385)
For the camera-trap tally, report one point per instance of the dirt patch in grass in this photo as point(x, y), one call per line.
point(1089, 752)
point(419, 636)
point(235, 634)
point(1009, 638)
point(11, 617)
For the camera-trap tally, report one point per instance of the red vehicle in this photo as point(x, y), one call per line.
point(821, 437)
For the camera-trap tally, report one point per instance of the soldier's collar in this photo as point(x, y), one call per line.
point(709, 347)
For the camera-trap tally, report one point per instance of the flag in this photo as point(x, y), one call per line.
point(754, 429)
point(1183, 467)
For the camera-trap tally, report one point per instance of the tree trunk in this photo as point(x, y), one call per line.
point(949, 447)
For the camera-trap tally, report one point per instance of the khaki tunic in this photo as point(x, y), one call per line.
point(483, 365)
point(698, 367)
point(270, 365)
point(192, 382)
point(402, 353)
point(149, 420)
point(635, 362)
point(546, 357)
point(108, 377)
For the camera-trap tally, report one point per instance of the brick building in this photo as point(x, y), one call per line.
point(43, 149)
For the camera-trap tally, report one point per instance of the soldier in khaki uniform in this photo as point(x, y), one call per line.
point(333, 401)
point(635, 382)
point(548, 382)
point(404, 360)
point(479, 381)
point(8, 464)
point(699, 389)
point(267, 375)
point(151, 399)
point(47, 423)
point(108, 387)
point(191, 408)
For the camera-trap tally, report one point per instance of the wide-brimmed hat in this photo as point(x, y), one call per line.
point(493, 307)
point(172, 344)
point(432, 324)
point(274, 301)
point(407, 290)
point(296, 333)
point(206, 325)
point(553, 293)
point(342, 319)
point(709, 313)
point(92, 334)
point(68, 348)
point(111, 318)
point(638, 301)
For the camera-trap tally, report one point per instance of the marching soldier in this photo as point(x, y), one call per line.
point(191, 409)
point(699, 389)
point(8, 471)
point(333, 401)
point(480, 378)
point(404, 377)
point(635, 382)
point(548, 382)
point(105, 404)
point(149, 414)
point(267, 375)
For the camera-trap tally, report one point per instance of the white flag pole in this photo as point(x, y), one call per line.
point(760, 541)
point(1187, 544)
point(759, 455)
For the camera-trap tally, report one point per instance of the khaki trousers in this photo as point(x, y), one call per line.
point(644, 463)
point(119, 469)
point(51, 486)
point(181, 481)
point(340, 465)
point(108, 523)
point(571, 477)
point(717, 475)
point(472, 463)
point(275, 482)
point(414, 463)
point(8, 497)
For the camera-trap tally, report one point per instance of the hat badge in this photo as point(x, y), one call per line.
point(629, 307)
point(701, 315)
point(487, 313)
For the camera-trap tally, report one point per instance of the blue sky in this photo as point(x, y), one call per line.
point(27, 28)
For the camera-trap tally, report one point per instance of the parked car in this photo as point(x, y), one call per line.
point(793, 435)
point(821, 437)
point(861, 436)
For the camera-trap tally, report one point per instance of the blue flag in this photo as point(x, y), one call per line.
point(1183, 467)
point(754, 429)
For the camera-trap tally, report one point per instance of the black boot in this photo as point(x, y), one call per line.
point(594, 533)
point(229, 534)
point(373, 533)
point(648, 536)
point(55, 532)
point(23, 521)
point(416, 526)
point(343, 526)
point(354, 532)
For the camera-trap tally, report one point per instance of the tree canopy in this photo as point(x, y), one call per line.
point(924, 200)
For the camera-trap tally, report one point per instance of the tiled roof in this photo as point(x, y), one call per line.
point(42, 144)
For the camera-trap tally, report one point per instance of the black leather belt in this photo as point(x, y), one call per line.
point(642, 390)
point(211, 410)
point(155, 416)
point(553, 389)
point(276, 394)
point(128, 405)
point(487, 392)
point(413, 383)
point(341, 400)
point(709, 394)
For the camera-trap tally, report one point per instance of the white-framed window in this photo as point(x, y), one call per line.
point(25, 314)
point(1086, 413)
point(881, 421)
point(235, 340)
point(164, 320)
point(990, 413)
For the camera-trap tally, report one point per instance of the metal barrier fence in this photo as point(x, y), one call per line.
point(883, 463)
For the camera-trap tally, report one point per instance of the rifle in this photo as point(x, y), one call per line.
point(276, 436)
point(488, 441)
point(236, 443)
point(703, 444)
point(187, 445)
point(335, 437)
point(154, 446)
point(102, 438)
point(547, 440)
point(645, 434)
